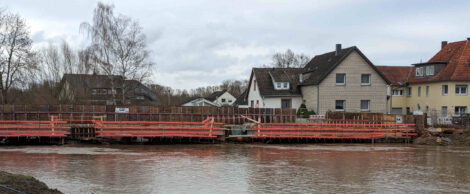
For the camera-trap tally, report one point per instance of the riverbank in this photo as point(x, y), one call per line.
point(16, 183)
point(444, 137)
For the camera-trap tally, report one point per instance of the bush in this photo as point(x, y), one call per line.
point(303, 112)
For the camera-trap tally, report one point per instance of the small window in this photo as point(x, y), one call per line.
point(278, 85)
point(252, 104)
point(461, 89)
point(339, 105)
point(365, 79)
point(140, 97)
point(444, 111)
point(427, 90)
point(285, 85)
point(419, 107)
point(430, 70)
point(94, 92)
point(223, 99)
point(340, 79)
point(408, 91)
point(427, 109)
point(365, 105)
point(229, 101)
point(419, 71)
point(254, 85)
point(419, 90)
point(445, 90)
point(397, 92)
point(460, 109)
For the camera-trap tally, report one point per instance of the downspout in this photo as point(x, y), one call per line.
point(318, 99)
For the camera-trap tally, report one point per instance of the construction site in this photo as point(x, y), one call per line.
point(62, 124)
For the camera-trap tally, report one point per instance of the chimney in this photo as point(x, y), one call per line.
point(338, 49)
point(443, 44)
point(468, 38)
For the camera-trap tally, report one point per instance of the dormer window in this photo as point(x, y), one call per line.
point(281, 85)
point(419, 71)
point(430, 70)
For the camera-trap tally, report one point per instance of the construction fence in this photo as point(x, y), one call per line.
point(228, 115)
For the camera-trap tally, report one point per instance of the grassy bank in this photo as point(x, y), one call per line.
point(16, 183)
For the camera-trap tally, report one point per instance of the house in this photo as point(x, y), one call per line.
point(104, 90)
point(398, 77)
point(242, 100)
point(343, 80)
point(438, 86)
point(274, 88)
point(218, 98)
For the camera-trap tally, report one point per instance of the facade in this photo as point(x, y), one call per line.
point(219, 98)
point(440, 86)
point(274, 88)
point(104, 90)
point(344, 80)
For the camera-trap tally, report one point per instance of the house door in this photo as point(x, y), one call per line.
point(286, 103)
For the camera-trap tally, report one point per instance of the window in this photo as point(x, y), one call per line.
point(408, 91)
point(140, 97)
point(252, 104)
point(340, 79)
point(257, 103)
point(419, 71)
point(286, 103)
point(223, 99)
point(444, 111)
point(419, 90)
point(445, 90)
point(408, 110)
point(461, 89)
point(365, 105)
point(285, 85)
point(278, 85)
point(427, 90)
point(427, 109)
point(94, 92)
point(419, 107)
point(365, 79)
point(229, 101)
point(460, 109)
point(254, 85)
point(397, 92)
point(339, 105)
point(430, 70)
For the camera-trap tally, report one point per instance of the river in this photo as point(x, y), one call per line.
point(244, 168)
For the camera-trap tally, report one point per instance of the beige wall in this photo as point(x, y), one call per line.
point(435, 100)
point(310, 96)
point(353, 92)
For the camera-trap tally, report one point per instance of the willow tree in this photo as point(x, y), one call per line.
point(118, 47)
point(15, 53)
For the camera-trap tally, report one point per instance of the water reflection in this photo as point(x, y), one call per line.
point(242, 168)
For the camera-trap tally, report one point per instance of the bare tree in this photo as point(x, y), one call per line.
point(289, 59)
point(16, 57)
point(118, 46)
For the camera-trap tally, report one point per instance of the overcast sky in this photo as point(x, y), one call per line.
point(199, 43)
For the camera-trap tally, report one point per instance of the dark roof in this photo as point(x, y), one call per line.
point(456, 55)
point(139, 89)
point(264, 80)
point(321, 65)
point(215, 95)
point(397, 75)
point(92, 80)
point(242, 99)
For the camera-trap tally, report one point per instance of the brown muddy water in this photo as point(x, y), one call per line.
point(244, 168)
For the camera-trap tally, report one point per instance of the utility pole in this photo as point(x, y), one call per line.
point(169, 90)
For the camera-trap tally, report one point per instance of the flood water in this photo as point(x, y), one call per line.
point(244, 168)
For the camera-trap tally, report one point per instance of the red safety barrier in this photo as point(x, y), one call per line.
point(333, 130)
point(207, 128)
point(25, 128)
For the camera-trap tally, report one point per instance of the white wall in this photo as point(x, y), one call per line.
point(227, 96)
point(276, 102)
point(254, 95)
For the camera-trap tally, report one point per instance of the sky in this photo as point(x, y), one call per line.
point(198, 43)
